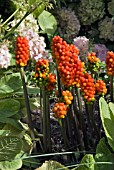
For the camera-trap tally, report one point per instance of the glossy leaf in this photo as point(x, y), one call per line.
point(10, 146)
point(13, 131)
point(104, 155)
point(15, 123)
point(11, 165)
point(10, 84)
point(87, 163)
point(8, 107)
point(107, 121)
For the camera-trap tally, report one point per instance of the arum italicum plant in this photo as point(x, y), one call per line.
point(70, 69)
point(46, 81)
point(22, 57)
point(73, 76)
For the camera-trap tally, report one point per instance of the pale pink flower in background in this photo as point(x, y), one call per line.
point(101, 51)
point(82, 43)
point(5, 56)
point(36, 43)
point(29, 29)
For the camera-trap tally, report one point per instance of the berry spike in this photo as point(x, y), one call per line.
point(22, 51)
point(110, 63)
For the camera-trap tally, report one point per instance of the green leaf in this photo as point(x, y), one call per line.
point(106, 161)
point(47, 22)
point(34, 103)
point(4, 132)
point(107, 121)
point(13, 131)
point(104, 155)
point(102, 147)
point(27, 143)
point(31, 162)
point(53, 165)
point(13, 122)
point(16, 116)
point(33, 90)
point(30, 90)
point(10, 84)
point(87, 163)
point(11, 165)
point(111, 107)
point(8, 107)
point(39, 9)
point(10, 146)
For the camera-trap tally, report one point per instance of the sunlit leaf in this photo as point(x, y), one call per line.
point(53, 165)
point(107, 121)
point(47, 22)
point(11, 165)
point(10, 84)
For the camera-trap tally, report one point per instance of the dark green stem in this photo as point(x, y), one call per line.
point(81, 119)
point(30, 123)
point(44, 116)
point(41, 111)
point(111, 89)
point(48, 122)
point(88, 119)
point(90, 110)
point(59, 84)
point(76, 122)
point(69, 122)
point(63, 130)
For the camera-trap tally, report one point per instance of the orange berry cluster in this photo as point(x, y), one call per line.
point(60, 110)
point(88, 87)
point(43, 77)
point(100, 87)
point(92, 57)
point(51, 85)
point(42, 68)
point(22, 51)
point(67, 97)
point(41, 72)
point(64, 101)
point(70, 68)
point(110, 63)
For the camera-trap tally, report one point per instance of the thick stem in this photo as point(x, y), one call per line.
point(59, 84)
point(111, 89)
point(41, 111)
point(63, 130)
point(90, 110)
point(30, 123)
point(70, 126)
point(76, 122)
point(81, 119)
point(44, 119)
point(88, 119)
point(48, 122)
